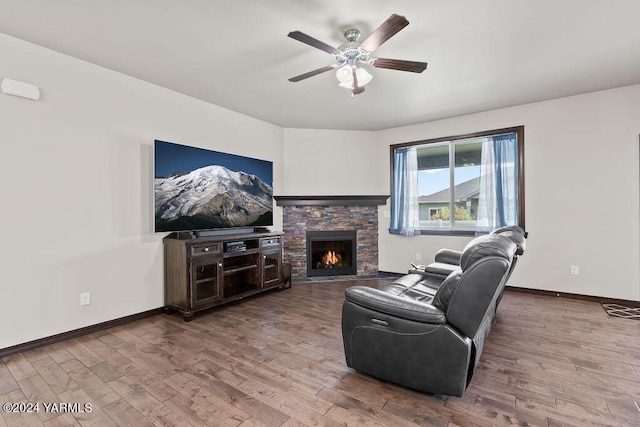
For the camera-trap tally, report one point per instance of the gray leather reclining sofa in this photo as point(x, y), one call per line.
point(448, 260)
point(424, 332)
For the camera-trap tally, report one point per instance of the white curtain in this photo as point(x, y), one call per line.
point(498, 198)
point(485, 221)
point(404, 203)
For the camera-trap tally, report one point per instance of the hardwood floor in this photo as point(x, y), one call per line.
point(277, 360)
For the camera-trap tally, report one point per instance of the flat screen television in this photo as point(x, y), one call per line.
point(197, 189)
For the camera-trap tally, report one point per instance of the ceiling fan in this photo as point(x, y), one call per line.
point(351, 55)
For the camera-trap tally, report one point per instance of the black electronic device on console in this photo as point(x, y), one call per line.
point(237, 246)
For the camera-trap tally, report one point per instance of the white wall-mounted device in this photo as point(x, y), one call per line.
point(17, 88)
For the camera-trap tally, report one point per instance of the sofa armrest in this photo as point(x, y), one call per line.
point(448, 256)
point(441, 269)
point(383, 302)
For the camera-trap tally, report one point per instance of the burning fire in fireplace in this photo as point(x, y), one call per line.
point(330, 259)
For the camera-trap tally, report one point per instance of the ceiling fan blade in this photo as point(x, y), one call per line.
point(400, 65)
point(384, 32)
point(302, 37)
point(312, 73)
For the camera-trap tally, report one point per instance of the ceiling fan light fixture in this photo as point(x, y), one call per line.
point(344, 75)
point(363, 76)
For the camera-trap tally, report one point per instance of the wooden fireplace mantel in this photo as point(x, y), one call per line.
point(331, 200)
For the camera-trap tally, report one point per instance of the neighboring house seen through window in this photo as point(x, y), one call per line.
point(467, 184)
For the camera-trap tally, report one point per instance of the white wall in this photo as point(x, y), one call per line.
point(582, 192)
point(332, 163)
point(76, 186)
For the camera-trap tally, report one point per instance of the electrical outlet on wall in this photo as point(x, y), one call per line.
point(85, 298)
point(575, 270)
point(418, 257)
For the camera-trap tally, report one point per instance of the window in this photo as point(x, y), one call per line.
point(433, 213)
point(458, 185)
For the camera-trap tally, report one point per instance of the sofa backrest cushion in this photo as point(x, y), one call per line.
point(486, 246)
point(515, 237)
point(445, 292)
point(514, 228)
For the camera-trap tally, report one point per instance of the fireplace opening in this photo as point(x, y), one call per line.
point(331, 253)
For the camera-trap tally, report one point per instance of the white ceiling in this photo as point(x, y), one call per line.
point(236, 54)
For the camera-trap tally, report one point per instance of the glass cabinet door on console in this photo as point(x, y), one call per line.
point(271, 261)
point(271, 266)
point(206, 272)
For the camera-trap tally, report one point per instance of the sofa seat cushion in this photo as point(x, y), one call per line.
point(409, 281)
point(398, 306)
point(401, 284)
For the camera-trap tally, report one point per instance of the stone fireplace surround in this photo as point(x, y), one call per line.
point(324, 213)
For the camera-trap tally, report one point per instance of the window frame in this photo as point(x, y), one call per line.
point(518, 130)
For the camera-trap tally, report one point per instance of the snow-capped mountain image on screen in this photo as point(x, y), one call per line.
point(198, 189)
